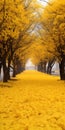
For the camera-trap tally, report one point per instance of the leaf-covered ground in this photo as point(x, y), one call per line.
point(32, 101)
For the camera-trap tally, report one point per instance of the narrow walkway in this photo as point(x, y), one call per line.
point(32, 101)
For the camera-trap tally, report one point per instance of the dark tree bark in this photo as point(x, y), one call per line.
point(8, 69)
point(14, 62)
point(14, 74)
point(19, 67)
point(39, 67)
point(0, 62)
point(5, 76)
point(0, 67)
point(42, 67)
point(62, 68)
point(50, 65)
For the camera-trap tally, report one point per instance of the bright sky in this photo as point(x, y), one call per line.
point(29, 64)
point(43, 2)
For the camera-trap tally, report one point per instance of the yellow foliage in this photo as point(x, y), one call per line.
point(14, 17)
point(53, 19)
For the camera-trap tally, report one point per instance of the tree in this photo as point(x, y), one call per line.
point(54, 24)
point(17, 21)
point(11, 27)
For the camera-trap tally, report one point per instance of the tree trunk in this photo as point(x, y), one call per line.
point(40, 67)
point(14, 73)
point(0, 68)
point(44, 67)
point(8, 69)
point(50, 66)
point(5, 77)
point(62, 68)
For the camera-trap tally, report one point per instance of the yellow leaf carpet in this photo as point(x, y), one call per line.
point(32, 101)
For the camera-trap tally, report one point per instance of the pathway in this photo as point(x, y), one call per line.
point(32, 101)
